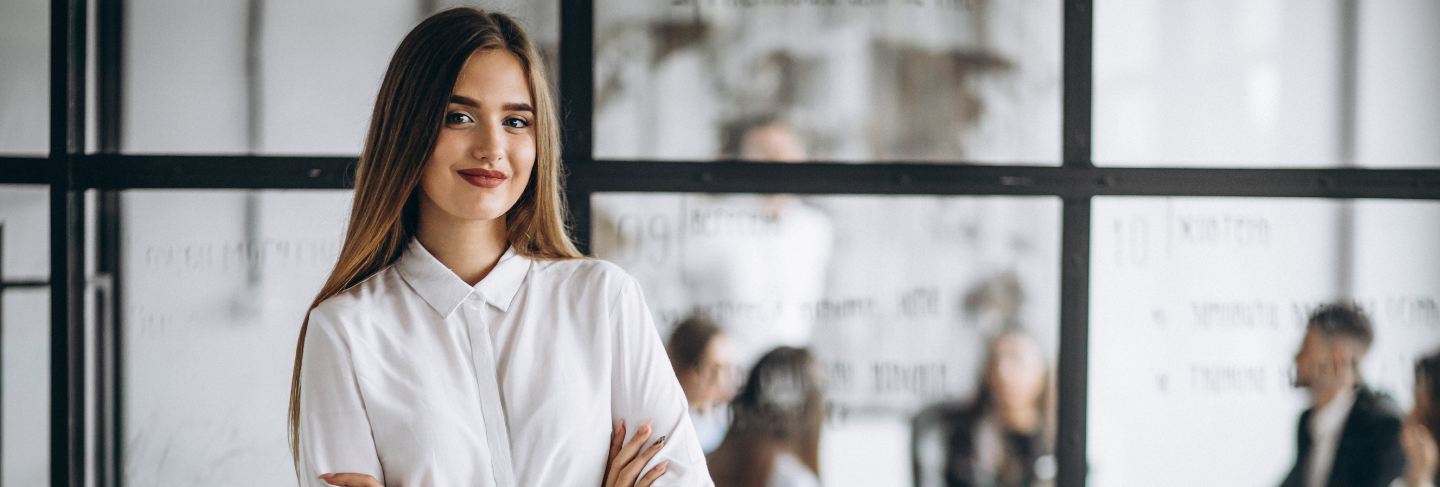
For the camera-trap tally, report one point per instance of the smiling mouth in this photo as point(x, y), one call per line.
point(484, 178)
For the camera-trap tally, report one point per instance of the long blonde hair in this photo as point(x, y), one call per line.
point(403, 128)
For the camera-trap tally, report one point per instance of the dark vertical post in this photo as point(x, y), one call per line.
point(110, 28)
point(107, 333)
point(1073, 367)
point(1076, 103)
point(576, 105)
point(67, 237)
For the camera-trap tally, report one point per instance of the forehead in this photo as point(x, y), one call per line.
point(718, 348)
point(1314, 337)
point(1016, 345)
point(493, 76)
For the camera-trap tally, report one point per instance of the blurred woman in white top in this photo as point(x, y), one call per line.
point(462, 339)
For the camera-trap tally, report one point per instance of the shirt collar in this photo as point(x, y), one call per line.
point(444, 291)
point(1330, 419)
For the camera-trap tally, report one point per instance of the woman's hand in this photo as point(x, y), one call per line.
point(627, 460)
point(1420, 454)
point(350, 480)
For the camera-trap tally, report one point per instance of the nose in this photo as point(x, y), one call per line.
point(489, 143)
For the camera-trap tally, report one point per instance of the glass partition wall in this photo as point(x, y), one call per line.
point(1152, 196)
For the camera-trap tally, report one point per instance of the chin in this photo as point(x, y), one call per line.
point(487, 215)
point(487, 210)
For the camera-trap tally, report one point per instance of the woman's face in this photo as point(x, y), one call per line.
point(1017, 377)
point(712, 381)
point(486, 148)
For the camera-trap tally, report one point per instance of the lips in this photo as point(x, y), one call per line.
point(484, 178)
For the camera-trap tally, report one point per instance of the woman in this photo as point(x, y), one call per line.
point(1004, 437)
point(461, 338)
point(774, 440)
point(1421, 432)
point(702, 358)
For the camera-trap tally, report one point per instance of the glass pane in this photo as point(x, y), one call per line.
point(25, 55)
point(1199, 308)
point(216, 284)
point(25, 335)
point(25, 220)
point(190, 86)
point(1266, 83)
point(945, 80)
point(896, 297)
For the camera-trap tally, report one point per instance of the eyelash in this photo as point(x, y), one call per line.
point(459, 118)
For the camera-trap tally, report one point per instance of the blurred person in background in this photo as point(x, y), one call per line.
point(769, 254)
point(705, 365)
point(1350, 436)
point(1005, 436)
point(774, 440)
point(1422, 427)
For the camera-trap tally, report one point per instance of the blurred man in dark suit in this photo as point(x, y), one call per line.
point(1350, 437)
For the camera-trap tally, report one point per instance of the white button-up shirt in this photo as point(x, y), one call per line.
point(418, 379)
point(1326, 426)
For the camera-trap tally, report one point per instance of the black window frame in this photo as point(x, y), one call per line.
point(70, 170)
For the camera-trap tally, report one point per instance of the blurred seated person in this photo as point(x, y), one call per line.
point(702, 358)
point(1422, 428)
point(1004, 437)
point(1350, 436)
point(774, 438)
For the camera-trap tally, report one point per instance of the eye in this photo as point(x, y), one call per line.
point(455, 118)
point(516, 122)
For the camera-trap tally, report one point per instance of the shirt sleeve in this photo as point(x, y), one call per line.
point(334, 429)
point(645, 387)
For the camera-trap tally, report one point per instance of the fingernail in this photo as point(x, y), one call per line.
point(661, 441)
point(663, 465)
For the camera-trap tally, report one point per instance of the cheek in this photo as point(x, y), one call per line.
point(430, 182)
point(449, 146)
point(436, 174)
point(523, 157)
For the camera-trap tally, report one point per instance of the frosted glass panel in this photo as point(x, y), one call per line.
point(963, 80)
point(25, 335)
point(1198, 309)
point(216, 285)
point(25, 323)
point(1245, 83)
point(897, 296)
point(25, 56)
point(309, 89)
point(25, 217)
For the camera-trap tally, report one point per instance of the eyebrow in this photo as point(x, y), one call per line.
point(509, 107)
